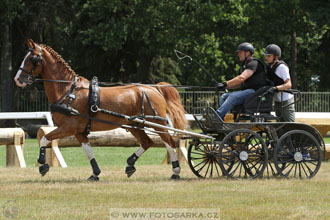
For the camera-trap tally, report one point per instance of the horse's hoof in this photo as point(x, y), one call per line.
point(43, 169)
point(93, 178)
point(130, 170)
point(41, 160)
point(175, 177)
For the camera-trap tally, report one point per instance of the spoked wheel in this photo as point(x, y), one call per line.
point(270, 170)
point(203, 159)
point(297, 154)
point(243, 154)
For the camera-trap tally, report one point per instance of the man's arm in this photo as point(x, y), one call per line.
point(286, 85)
point(238, 80)
point(282, 71)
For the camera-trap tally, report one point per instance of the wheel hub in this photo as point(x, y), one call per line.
point(243, 156)
point(298, 156)
point(212, 155)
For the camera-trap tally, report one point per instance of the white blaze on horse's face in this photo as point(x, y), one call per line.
point(19, 72)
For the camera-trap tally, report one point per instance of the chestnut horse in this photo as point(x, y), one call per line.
point(59, 80)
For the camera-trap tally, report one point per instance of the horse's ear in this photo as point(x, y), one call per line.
point(31, 43)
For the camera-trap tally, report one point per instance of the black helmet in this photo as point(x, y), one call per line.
point(273, 49)
point(246, 47)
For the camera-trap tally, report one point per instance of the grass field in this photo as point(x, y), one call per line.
point(65, 193)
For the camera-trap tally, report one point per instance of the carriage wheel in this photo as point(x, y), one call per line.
point(270, 169)
point(243, 154)
point(203, 159)
point(297, 154)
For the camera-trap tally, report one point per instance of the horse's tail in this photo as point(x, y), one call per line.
point(174, 107)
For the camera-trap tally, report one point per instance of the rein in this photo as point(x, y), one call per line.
point(52, 80)
point(109, 84)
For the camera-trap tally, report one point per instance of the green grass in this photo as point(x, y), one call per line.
point(327, 139)
point(75, 156)
point(64, 193)
point(112, 156)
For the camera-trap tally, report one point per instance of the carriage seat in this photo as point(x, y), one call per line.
point(255, 104)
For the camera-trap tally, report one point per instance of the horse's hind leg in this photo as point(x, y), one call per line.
point(145, 142)
point(170, 145)
point(85, 144)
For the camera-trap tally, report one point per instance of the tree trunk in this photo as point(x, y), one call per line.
point(293, 67)
point(143, 71)
point(7, 82)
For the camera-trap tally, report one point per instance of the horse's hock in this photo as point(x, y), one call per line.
point(13, 138)
point(112, 138)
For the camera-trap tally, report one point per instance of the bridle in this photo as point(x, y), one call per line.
point(35, 60)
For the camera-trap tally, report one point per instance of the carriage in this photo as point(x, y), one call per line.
point(256, 144)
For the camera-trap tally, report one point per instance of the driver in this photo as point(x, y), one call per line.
point(251, 77)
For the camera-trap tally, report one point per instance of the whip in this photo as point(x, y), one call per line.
point(182, 56)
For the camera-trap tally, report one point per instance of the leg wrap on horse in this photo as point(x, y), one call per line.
point(132, 159)
point(176, 167)
point(42, 155)
point(96, 169)
point(88, 150)
point(130, 169)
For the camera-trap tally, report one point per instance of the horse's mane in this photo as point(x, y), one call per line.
point(59, 59)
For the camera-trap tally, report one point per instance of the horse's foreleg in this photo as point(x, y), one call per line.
point(85, 144)
point(44, 141)
point(145, 143)
point(43, 168)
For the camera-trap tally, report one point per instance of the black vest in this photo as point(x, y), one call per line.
point(271, 73)
point(258, 79)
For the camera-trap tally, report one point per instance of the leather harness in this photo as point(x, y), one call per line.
point(93, 106)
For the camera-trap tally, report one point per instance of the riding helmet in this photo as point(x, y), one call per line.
point(245, 47)
point(273, 49)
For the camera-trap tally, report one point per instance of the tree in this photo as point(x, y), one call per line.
point(134, 40)
point(7, 15)
point(291, 25)
point(129, 35)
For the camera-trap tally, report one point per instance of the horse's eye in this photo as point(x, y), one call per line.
point(34, 60)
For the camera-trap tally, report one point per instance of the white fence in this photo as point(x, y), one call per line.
point(193, 101)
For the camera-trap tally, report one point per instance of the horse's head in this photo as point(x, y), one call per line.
point(31, 65)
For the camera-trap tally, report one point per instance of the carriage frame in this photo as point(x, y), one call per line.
point(259, 146)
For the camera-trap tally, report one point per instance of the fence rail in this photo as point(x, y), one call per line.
point(193, 101)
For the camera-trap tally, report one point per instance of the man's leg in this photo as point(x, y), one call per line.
point(288, 113)
point(223, 98)
point(278, 110)
point(231, 99)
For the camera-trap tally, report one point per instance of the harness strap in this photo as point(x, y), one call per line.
point(67, 109)
point(149, 117)
point(142, 106)
point(72, 96)
point(153, 109)
point(144, 94)
point(70, 93)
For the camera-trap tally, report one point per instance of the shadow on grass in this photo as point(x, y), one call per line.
point(106, 180)
point(53, 181)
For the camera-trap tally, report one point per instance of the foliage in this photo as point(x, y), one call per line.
point(134, 40)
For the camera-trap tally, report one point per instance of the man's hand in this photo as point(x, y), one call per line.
point(273, 89)
point(221, 86)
